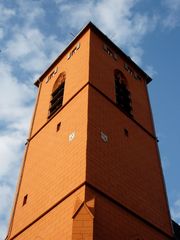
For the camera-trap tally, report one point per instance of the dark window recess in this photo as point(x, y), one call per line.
point(25, 199)
point(56, 99)
point(58, 127)
point(109, 52)
point(123, 96)
point(126, 133)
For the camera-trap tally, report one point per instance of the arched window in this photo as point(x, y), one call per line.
point(123, 96)
point(57, 94)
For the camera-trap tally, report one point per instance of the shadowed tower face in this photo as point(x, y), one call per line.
point(91, 169)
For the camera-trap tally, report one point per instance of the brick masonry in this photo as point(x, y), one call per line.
point(98, 175)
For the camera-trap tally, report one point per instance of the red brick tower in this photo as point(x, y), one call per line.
point(91, 169)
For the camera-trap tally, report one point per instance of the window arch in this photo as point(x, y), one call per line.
point(123, 96)
point(120, 76)
point(57, 94)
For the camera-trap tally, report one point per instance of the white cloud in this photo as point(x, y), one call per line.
point(16, 108)
point(6, 13)
point(115, 18)
point(18, 46)
point(6, 204)
point(32, 49)
point(30, 11)
point(175, 211)
point(172, 18)
point(151, 71)
point(10, 149)
point(136, 54)
point(173, 5)
point(75, 14)
point(1, 33)
point(14, 96)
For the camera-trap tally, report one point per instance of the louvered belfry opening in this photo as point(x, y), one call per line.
point(57, 94)
point(123, 95)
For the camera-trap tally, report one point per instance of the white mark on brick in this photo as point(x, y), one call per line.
point(72, 136)
point(104, 137)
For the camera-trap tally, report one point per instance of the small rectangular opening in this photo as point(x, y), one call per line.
point(126, 133)
point(25, 199)
point(58, 126)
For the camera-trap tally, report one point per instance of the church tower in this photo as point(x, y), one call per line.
point(91, 169)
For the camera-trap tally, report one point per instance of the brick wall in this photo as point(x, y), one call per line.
point(125, 167)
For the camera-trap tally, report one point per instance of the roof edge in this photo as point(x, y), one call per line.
point(84, 29)
point(90, 25)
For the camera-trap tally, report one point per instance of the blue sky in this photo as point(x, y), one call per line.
point(32, 35)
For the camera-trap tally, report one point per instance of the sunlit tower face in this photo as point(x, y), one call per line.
point(91, 168)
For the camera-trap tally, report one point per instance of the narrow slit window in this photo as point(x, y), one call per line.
point(123, 95)
point(58, 127)
point(25, 199)
point(126, 133)
point(57, 95)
